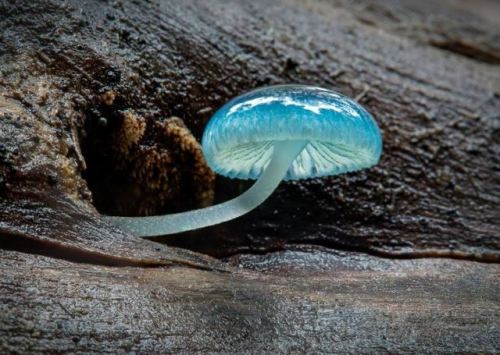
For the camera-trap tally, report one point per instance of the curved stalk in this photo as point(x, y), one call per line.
point(283, 155)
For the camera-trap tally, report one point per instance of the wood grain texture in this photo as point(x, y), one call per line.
point(330, 303)
point(434, 193)
point(344, 264)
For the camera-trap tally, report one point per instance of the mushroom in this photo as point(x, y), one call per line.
point(273, 133)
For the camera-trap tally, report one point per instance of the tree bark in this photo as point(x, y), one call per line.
point(89, 92)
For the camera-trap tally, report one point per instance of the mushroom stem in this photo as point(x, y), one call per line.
point(284, 154)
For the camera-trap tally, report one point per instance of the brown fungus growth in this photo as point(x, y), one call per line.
point(129, 134)
point(150, 167)
point(185, 145)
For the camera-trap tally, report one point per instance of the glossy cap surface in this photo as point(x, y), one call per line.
point(238, 140)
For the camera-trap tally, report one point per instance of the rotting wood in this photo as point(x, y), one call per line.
point(433, 89)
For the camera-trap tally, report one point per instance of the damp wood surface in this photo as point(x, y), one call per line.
point(328, 302)
point(102, 106)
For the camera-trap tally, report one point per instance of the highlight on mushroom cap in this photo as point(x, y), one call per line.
point(342, 136)
point(274, 133)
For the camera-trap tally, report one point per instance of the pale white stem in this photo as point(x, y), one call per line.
point(284, 154)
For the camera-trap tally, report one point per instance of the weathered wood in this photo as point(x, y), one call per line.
point(332, 302)
point(436, 191)
point(87, 92)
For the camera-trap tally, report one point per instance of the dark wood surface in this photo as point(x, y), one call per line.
point(400, 258)
point(311, 301)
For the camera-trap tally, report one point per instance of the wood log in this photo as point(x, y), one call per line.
point(89, 92)
point(331, 303)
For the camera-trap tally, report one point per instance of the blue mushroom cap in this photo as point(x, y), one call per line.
point(238, 140)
